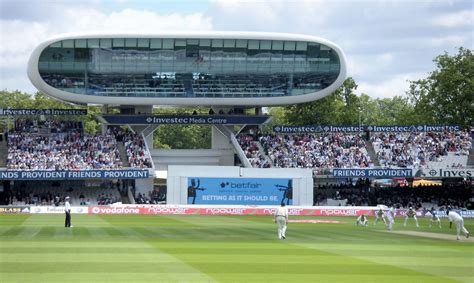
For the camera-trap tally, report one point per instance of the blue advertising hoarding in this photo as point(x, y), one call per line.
point(37, 112)
point(355, 129)
point(72, 175)
point(372, 173)
point(243, 191)
point(186, 119)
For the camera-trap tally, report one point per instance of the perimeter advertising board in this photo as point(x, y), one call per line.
point(72, 175)
point(230, 210)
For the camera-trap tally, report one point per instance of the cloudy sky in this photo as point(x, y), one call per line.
point(386, 42)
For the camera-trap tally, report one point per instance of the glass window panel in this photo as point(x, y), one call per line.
point(168, 43)
point(118, 42)
point(324, 47)
point(130, 42)
point(265, 44)
point(143, 42)
point(68, 43)
point(155, 43)
point(241, 43)
point(301, 46)
point(205, 42)
point(106, 43)
point(217, 43)
point(193, 41)
point(253, 44)
point(289, 45)
point(229, 43)
point(56, 44)
point(81, 43)
point(93, 43)
point(277, 45)
point(180, 42)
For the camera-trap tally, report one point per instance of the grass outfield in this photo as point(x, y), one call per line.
point(134, 248)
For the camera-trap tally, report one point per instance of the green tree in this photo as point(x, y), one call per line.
point(16, 99)
point(340, 107)
point(446, 96)
point(182, 136)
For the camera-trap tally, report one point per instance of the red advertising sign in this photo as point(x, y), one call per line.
point(228, 210)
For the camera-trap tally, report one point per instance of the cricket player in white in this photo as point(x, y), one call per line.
point(434, 218)
point(391, 218)
point(281, 218)
point(453, 216)
point(379, 215)
point(411, 213)
point(362, 220)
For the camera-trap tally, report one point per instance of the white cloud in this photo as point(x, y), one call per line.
point(457, 19)
point(396, 85)
point(129, 20)
point(386, 42)
point(20, 37)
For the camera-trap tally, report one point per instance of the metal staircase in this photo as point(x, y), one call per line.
point(371, 151)
point(3, 153)
point(470, 159)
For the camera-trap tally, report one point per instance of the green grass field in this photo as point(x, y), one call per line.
point(116, 248)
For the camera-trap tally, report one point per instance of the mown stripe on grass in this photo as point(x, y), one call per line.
point(115, 277)
point(104, 267)
point(13, 231)
point(13, 219)
point(52, 249)
point(401, 256)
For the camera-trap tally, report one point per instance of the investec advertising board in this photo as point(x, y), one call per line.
point(186, 119)
point(244, 191)
point(370, 128)
point(444, 172)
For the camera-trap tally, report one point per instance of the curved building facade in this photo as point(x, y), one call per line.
point(232, 68)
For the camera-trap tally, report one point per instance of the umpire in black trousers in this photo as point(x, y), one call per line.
point(67, 209)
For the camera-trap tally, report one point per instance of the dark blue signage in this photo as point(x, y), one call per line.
point(372, 173)
point(72, 175)
point(244, 191)
point(354, 129)
point(37, 112)
point(186, 119)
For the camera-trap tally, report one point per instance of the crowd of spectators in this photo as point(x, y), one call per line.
point(330, 150)
point(156, 196)
point(29, 125)
point(104, 199)
point(252, 152)
point(417, 149)
point(31, 198)
point(458, 195)
point(62, 151)
point(65, 147)
point(138, 156)
point(342, 150)
point(135, 147)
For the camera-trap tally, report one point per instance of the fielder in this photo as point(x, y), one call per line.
point(453, 216)
point(362, 220)
point(379, 215)
point(281, 218)
point(391, 218)
point(411, 213)
point(434, 218)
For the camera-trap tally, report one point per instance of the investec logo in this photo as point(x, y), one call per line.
point(451, 173)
